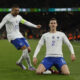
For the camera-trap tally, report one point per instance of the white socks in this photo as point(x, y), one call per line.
point(25, 55)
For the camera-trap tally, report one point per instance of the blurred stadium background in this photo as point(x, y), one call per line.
point(67, 13)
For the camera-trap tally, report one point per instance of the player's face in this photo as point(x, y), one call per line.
point(53, 24)
point(15, 11)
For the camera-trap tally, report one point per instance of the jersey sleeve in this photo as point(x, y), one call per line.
point(67, 42)
point(3, 22)
point(27, 23)
point(40, 44)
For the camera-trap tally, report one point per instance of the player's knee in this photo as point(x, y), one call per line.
point(38, 72)
point(24, 47)
point(29, 49)
point(66, 73)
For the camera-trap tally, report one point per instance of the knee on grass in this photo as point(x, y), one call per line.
point(38, 72)
point(66, 73)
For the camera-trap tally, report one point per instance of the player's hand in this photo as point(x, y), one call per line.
point(38, 26)
point(35, 61)
point(73, 57)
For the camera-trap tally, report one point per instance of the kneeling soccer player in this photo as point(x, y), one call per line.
point(54, 55)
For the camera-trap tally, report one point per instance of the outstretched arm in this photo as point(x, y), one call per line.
point(69, 46)
point(23, 21)
point(3, 22)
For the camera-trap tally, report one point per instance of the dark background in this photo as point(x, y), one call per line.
point(40, 3)
point(68, 22)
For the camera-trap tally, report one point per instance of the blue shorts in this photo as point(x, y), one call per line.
point(58, 62)
point(20, 42)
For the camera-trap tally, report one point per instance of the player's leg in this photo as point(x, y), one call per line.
point(27, 58)
point(17, 43)
point(40, 69)
point(22, 44)
point(61, 65)
point(26, 49)
point(65, 70)
point(44, 67)
point(29, 49)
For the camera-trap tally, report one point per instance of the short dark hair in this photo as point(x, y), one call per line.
point(53, 19)
point(15, 6)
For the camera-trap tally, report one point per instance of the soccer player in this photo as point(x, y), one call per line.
point(54, 55)
point(11, 21)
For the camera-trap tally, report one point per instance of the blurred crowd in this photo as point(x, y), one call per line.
point(68, 22)
point(36, 34)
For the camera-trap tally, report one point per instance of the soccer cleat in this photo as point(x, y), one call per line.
point(31, 68)
point(47, 72)
point(21, 65)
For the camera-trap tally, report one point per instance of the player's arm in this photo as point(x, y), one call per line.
point(23, 21)
point(66, 40)
point(40, 44)
point(3, 22)
point(36, 53)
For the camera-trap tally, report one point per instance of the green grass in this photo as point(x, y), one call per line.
point(9, 55)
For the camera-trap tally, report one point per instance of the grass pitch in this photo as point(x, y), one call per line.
point(10, 71)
